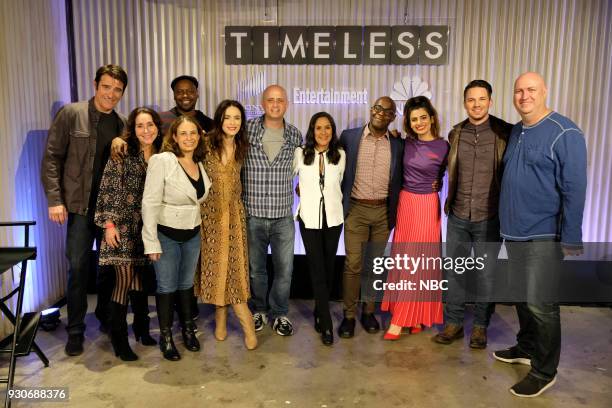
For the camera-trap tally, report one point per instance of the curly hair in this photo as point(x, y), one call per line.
point(130, 130)
point(170, 145)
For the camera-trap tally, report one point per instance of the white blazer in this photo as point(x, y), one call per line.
point(309, 209)
point(169, 199)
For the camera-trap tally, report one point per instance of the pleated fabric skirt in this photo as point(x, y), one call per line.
point(417, 235)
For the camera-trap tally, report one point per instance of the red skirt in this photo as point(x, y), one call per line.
point(418, 221)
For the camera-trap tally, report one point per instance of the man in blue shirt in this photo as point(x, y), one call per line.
point(267, 180)
point(542, 201)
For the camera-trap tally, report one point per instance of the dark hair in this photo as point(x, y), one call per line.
point(130, 130)
point(333, 153)
point(115, 71)
point(170, 145)
point(421, 102)
point(478, 83)
point(215, 137)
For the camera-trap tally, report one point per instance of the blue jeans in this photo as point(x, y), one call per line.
point(81, 233)
point(540, 323)
point(461, 236)
point(176, 267)
point(279, 233)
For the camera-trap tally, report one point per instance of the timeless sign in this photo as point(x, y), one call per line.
point(326, 45)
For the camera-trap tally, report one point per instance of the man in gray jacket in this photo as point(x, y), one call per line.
point(77, 150)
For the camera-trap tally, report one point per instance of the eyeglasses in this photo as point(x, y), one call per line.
point(185, 92)
point(379, 110)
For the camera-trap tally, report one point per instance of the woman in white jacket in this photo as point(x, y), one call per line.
point(319, 165)
point(176, 184)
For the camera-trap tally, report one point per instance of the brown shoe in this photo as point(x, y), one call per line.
point(450, 333)
point(478, 339)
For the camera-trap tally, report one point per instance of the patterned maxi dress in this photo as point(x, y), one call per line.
point(120, 200)
point(223, 277)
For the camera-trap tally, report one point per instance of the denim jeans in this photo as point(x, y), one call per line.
point(461, 236)
point(279, 234)
point(540, 323)
point(176, 266)
point(80, 236)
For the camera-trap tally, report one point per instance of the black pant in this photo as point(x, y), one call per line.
point(539, 317)
point(321, 246)
point(81, 233)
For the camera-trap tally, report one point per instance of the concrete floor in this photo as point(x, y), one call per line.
point(300, 372)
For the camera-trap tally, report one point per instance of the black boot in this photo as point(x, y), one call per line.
point(165, 313)
point(140, 307)
point(185, 299)
point(104, 286)
point(195, 310)
point(119, 334)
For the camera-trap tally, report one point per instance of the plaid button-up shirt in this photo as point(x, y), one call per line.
point(268, 186)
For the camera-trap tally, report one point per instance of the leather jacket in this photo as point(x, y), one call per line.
point(501, 129)
point(68, 160)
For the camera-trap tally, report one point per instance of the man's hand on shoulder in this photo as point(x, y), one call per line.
point(119, 149)
point(58, 214)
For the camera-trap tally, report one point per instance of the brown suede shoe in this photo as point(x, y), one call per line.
point(450, 333)
point(478, 339)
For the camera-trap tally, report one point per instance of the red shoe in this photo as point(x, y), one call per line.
point(391, 336)
point(416, 329)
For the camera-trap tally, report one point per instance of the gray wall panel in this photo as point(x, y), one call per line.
point(567, 41)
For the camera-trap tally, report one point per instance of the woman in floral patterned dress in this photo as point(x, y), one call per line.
point(118, 211)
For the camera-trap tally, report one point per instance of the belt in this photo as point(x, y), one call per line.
point(382, 201)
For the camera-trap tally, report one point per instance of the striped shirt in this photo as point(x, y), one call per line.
point(268, 186)
point(373, 167)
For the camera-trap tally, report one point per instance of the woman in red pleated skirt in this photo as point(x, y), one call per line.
point(417, 232)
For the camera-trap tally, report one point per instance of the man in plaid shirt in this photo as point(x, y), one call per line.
point(267, 179)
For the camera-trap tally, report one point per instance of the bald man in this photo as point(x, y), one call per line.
point(541, 205)
point(267, 179)
point(370, 189)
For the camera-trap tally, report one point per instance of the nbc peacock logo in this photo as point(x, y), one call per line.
point(407, 88)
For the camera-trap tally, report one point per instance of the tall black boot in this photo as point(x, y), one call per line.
point(195, 310)
point(165, 314)
point(140, 307)
point(104, 287)
point(119, 334)
point(185, 301)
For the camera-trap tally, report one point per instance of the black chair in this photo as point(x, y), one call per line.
point(22, 339)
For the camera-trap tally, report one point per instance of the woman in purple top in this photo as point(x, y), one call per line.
point(418, 221)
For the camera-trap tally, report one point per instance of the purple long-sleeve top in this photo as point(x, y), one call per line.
point(424, 163)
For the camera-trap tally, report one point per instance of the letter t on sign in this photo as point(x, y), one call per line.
point(238, 48)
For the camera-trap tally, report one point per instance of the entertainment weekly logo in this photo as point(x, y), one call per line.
point(406, 88)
